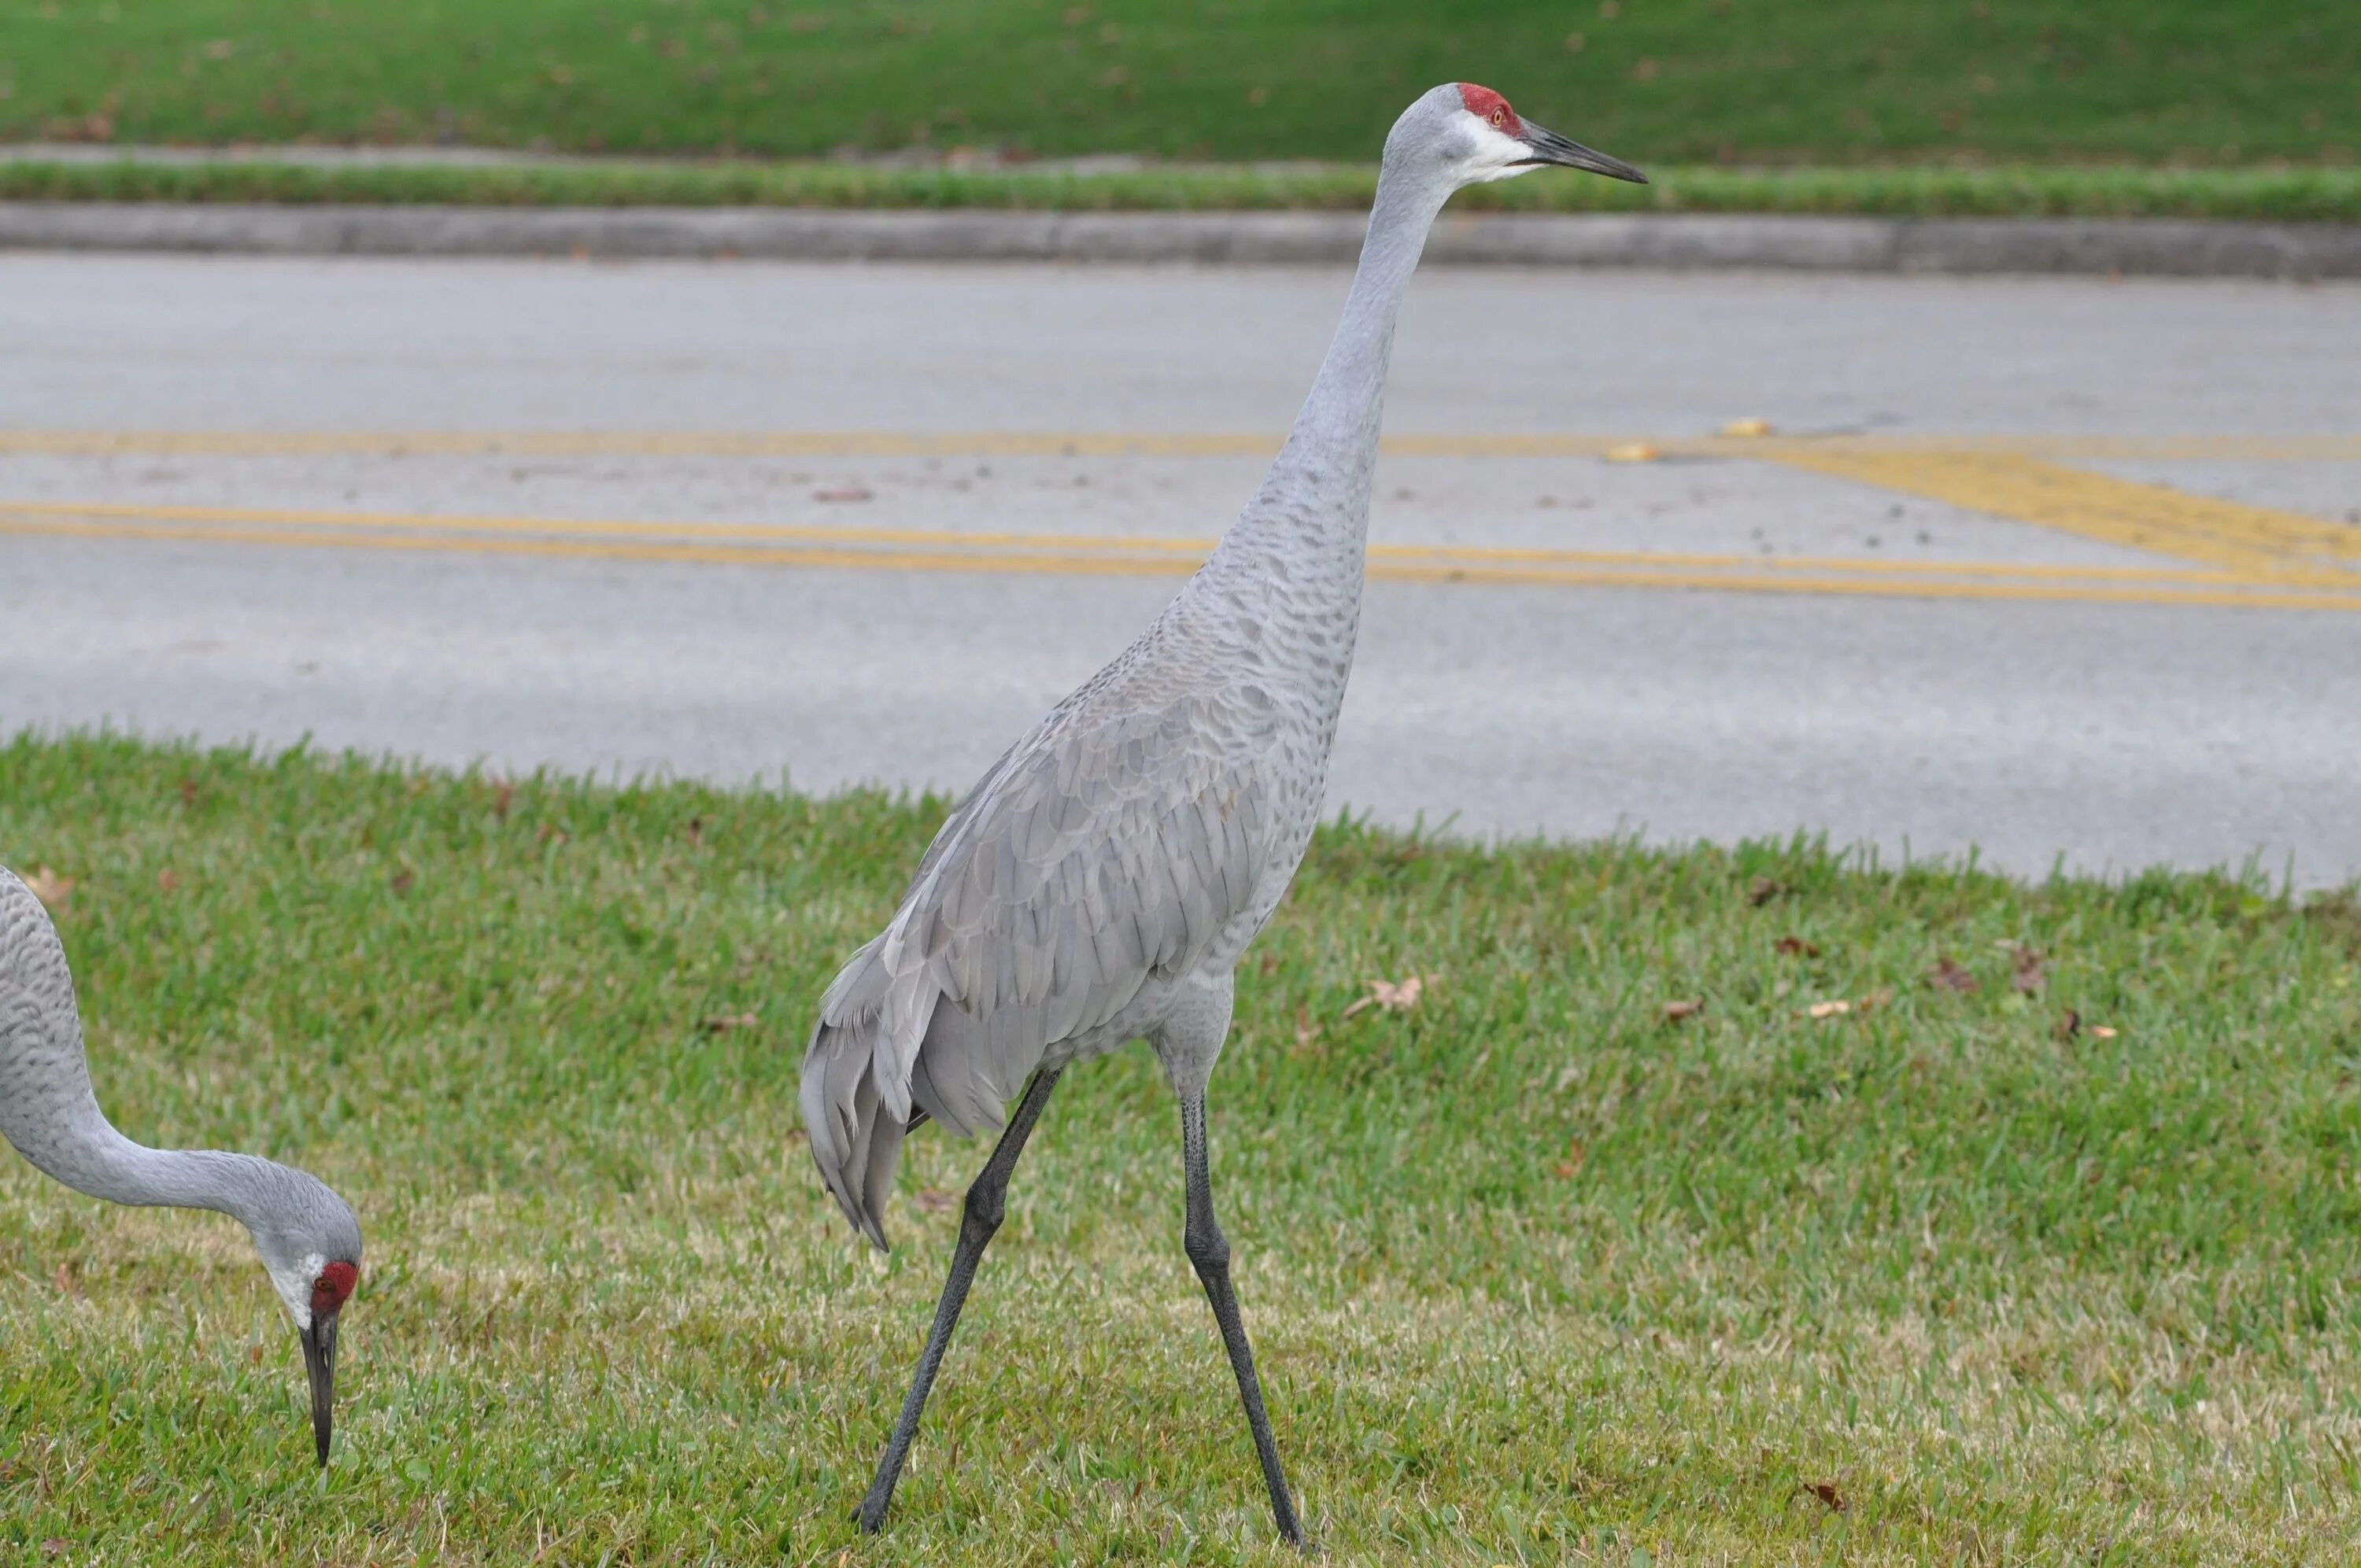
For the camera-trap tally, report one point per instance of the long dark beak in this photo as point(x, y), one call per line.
point(1550, 148)
point(320, 1361)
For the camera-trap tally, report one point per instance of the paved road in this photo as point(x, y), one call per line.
point(2049, 568)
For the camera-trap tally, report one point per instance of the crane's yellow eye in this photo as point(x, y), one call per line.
point(1499, 119)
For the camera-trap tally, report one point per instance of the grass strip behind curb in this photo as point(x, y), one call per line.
point(2041, 1247)
point(2207, 82)
point(2280, 195)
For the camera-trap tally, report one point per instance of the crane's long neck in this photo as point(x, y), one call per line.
point(47, 1109)
point(1316, 495)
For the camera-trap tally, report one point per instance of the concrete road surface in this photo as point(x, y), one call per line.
point(2056, 570)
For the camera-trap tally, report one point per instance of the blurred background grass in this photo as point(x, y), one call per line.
point(2277, 194)
point(2182, 82)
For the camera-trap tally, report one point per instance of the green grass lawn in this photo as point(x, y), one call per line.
point(1659, 82)
point(1537, 1274)
point(2319, 195)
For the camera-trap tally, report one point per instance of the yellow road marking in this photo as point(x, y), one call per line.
point(881, 543)
point(2255, 448)
point(1101, 564)
point(2256, 543)
point(631, 443)
point(1103, 443)
point(462, 522)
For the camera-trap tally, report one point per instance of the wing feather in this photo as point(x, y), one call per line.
point(1100, 852)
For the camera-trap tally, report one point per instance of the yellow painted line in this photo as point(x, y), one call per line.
point(1137, 566)
point(2087, 448)
point(2297, 448)
point(1868, 565)
point(2256, 543)
point(1107, 443)
point(460, 522)
point(633, 443)
point(620, 550)
point(881, 541)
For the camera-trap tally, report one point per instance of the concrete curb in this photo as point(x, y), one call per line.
point(2157, 247)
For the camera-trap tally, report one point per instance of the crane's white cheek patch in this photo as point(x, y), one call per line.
point(1497, 156)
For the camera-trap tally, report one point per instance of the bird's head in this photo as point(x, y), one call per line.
point(311, 1246)
point(1475, 136)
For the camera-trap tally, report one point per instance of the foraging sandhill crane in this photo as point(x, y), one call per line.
point(1100, 882)
point(310, 1243)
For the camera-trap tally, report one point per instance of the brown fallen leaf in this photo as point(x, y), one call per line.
point(403, 880)
point(2070, 1026)
point(1686, 1008)
point(1306, 1031)
point(2028, 973)
point(1828, 1009)
point(721, 1023)
point(188, 792)
point(166, 880)
point(1633, 452)
point(1577, 1155)
point(1826, 1491)
point(934, 1199)
point(1392, 996)
point(1796, 947)
point(1763, 890)
point(696, 830)
point(1947, 975)
point(51, 889)
point(1744, 427)
point(841, 493)
point(502, 797)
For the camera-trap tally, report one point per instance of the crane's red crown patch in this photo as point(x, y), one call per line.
point(1491, 108)
point(328, 1291)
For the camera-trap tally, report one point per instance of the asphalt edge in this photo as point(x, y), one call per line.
point(1677, 241)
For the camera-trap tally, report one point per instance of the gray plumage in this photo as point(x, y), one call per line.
point(1131, 843)
point(48, 1112)
point(1100, 882)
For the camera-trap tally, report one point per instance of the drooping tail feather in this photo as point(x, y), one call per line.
point(854, 1141)
point(959, 1072)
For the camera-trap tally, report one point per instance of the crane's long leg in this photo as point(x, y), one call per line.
point(979, 1218)
point(1209, 1250)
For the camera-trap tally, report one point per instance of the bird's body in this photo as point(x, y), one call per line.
point(310, 1243)
point(1100, 882)
point(1116, 861)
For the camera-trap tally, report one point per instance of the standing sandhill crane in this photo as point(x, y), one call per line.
point(1100, 882)
point(310, 1243)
